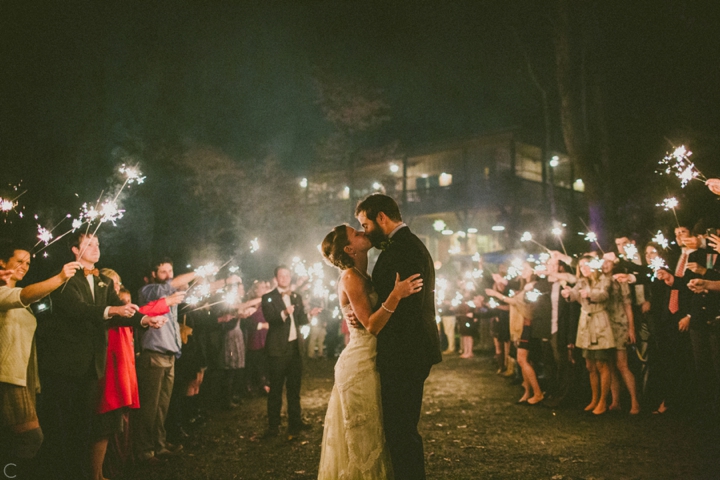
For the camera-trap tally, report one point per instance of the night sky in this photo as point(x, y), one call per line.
point(79, 80)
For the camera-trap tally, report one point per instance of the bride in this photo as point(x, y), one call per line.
point(353, 445)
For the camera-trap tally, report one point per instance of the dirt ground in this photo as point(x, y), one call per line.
point(472, 429)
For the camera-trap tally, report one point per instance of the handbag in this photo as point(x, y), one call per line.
point(185, 331)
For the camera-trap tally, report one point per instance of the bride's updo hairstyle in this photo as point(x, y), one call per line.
point(333, 248)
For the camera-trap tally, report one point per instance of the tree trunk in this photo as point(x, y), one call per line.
point(577, 141)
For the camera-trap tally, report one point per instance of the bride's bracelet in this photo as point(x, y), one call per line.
point(386, 309)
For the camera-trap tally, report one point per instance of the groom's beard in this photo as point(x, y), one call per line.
point(376, 237)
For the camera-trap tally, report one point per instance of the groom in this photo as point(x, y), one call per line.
point(408, 346)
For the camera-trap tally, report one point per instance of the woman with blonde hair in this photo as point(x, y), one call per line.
point(595, 335)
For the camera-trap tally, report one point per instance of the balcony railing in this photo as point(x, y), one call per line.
point(486, 193)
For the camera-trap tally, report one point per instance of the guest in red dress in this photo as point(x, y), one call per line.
point(119, 387)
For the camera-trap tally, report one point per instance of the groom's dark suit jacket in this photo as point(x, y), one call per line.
point(410, 339)
point(74, 340)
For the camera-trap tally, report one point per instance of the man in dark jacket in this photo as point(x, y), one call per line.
point(408, 346)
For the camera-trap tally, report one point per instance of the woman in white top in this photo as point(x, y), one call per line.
point(18, 361)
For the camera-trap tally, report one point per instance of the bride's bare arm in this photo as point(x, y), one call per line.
point(354, 287)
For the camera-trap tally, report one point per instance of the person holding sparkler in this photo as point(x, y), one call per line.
point(159, 350)
point(594, 334)
point(623, 329)
point(524, 302)
point(73, 363)
point(675, 322)
point(18, 368)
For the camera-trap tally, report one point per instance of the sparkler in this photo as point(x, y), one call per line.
point(660, 239)
point(132, 174)
point(533, 295)
point(8, 205)
point(514, 269)
point(596, 263)
point(492, 303)
point(591, 237)
point(670, 203)
point(44, 235)
point(254, 245)
point(678, 163)
point(558, 232)
point(656, 265)
point(527, 237)
point(207, 270)
point(630, 251)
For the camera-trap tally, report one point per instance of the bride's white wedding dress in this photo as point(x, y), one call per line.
point(353, 445)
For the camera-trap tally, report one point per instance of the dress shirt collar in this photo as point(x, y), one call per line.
point(402, 224)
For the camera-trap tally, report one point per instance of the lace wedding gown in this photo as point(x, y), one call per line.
point(353, 445)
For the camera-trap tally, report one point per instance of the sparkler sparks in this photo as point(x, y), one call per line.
point(492, 303)
point(631, 251)
point(589, 236)
point(678, 163)
point(44, 235)
point(254, 245)
point(656, 265)
point(660, 239)
point(533, 295)
point(132, 174)
point(670, 203)
point(526, 237)
point(7, 205)
point(596, 263)
point(207, 270)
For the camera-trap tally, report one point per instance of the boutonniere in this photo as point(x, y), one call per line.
point(102, 284)
point(385, 244)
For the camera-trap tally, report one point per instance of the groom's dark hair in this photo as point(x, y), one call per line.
point(373, 204)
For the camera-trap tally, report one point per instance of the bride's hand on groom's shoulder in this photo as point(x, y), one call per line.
point(410, 285)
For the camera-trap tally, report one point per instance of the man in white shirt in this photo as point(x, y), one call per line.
point(284, 311)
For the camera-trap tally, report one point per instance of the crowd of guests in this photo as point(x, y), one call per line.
point(643, 320)
point(89, 371)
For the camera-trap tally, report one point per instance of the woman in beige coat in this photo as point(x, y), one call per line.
point(595, 335)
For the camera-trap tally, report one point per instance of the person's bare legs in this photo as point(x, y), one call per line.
point(99, 448)
point(529, 377)
point(629, 378)
point(614, 386)
point(594, 384)
point(604, 372)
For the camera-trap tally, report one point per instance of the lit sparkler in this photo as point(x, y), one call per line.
point(132, 174)
point(670, 203)
point(492, 303)
point(660, 239)
point(254, 245)
point(514, 269)
point(558, 232)
point(657, 264)
point(44, 235)
point(631, 251)
point(207, 270)
point(7, 205)
point(533, 295)
point(596, 263)
point(678, 163)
